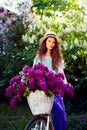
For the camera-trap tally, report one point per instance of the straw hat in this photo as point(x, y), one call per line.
point(49, 34)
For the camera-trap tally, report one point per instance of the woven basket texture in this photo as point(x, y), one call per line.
point(39, 103)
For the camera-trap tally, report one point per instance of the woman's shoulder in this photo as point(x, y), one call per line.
point(36, 60)
point(36, 57)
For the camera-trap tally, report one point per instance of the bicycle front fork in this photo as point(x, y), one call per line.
point(48, 119)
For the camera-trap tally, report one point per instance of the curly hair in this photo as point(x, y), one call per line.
point(56, 53)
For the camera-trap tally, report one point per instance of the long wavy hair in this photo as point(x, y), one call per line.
point(56, 53)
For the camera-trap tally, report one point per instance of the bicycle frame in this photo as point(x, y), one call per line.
point(42, 117)
point(48, 120)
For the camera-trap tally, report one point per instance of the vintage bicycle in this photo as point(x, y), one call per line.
point(40, 106)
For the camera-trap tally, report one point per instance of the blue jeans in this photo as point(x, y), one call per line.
point(59, 115)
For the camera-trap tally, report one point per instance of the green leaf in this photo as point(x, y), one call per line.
point(26, 93)
point(49, 93)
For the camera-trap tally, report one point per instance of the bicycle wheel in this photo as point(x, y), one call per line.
point(38, 123)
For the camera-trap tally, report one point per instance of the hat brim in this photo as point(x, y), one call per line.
point(43, 38)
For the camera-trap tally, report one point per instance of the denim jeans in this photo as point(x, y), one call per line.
point(59, 115)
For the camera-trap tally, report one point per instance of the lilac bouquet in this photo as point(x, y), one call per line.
point(34, 78)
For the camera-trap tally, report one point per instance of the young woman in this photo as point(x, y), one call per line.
point(50, 54)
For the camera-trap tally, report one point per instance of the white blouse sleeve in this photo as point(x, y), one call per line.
point(36, 60)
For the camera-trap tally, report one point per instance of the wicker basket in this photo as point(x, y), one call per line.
point(39, 103)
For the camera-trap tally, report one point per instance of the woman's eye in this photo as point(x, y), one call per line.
point(49, 41)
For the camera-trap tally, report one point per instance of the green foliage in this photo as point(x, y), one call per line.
point(16, 55)
point(71, 28)
point(74, 123)
point(74, 63)
point(49, 93)
point(76, 73)
point(48, 7)
point(16, 118)
point(69, 21)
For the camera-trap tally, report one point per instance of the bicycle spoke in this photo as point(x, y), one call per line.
point(38, 123)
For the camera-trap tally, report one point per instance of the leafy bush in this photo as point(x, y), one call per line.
point(71, 28)
point(73, 123)
point(16, 55)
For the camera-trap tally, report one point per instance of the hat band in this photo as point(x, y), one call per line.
point(50, 34)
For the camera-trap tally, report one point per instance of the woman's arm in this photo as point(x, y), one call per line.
point(61, 70)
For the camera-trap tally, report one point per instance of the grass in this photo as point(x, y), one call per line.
point(16, 118)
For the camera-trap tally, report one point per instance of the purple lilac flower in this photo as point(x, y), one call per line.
point(41, 67)
point(9, 90)
point(21, 89)
point(15, 79)
point(59, 91)
point(50, 74)
point(38, 74)
point(59, 83)
point(69, 89)
point(30, 72)
point(42, 84)
point(13, 101)
point(25, 69)
point(61, 75)
point(37, 77)
point(50, 83)
point(31, 83)
point(46, 69)
point(56, 90)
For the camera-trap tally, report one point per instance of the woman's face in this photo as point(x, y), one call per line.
point(50, 43)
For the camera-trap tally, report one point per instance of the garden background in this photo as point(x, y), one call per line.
point(19, 40)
